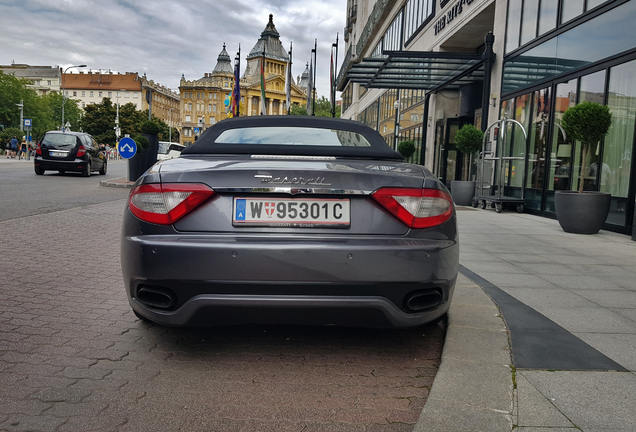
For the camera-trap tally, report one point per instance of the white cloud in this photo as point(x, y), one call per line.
point(164, 39)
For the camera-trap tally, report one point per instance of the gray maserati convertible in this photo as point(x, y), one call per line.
point(286, 219)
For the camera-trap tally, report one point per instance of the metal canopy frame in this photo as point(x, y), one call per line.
point(417, 70)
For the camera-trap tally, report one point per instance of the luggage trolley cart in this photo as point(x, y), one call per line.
point(495, 195)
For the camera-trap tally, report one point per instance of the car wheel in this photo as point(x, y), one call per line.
point(39, 171)
point(104, 169)
point(87, 170)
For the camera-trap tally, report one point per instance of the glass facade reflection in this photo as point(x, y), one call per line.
point(606, 35)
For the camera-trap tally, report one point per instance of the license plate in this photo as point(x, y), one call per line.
point(58, 154)
point(292, 212)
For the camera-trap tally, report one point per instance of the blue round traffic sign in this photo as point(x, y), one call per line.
point(127, 147)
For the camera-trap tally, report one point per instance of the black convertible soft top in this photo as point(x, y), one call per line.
point(378, 148)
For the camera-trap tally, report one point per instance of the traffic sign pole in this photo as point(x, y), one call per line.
point(127, 148)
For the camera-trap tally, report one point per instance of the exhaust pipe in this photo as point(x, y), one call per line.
point(418, 301)
point(156, 297)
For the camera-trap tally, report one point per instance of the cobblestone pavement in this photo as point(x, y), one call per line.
point(73, 357)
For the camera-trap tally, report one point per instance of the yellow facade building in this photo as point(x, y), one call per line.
point(203, 100)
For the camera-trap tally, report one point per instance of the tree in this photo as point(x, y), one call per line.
point(53, 105)
point(323, 108)
point(12, 91)
point(588, 123)
point(99, 121)
point(468, 140)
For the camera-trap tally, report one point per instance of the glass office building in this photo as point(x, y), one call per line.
point(559, 54)
point(548, 55)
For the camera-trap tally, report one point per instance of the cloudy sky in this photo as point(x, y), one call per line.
point(164, 38)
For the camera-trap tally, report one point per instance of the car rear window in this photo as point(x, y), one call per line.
point(59, 140)
point(292, 135)
point(296, 136)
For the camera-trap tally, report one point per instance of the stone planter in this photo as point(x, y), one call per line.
point(462, 192)
point(150, 157)
point(581, 212)
point(135, 168)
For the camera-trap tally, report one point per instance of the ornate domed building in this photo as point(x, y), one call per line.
point(270, 50)
point(202, 100)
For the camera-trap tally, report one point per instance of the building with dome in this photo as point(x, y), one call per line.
point(269, 49)
point(202, 100)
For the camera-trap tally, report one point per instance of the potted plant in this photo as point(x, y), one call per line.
point(406, 149)
point(584, 212)
point(468, 140)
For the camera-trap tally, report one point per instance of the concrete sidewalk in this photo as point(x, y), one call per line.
point(569, 302)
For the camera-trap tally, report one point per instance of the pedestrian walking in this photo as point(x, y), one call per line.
point(23, 149)
point(7, 149)
point(14, 147)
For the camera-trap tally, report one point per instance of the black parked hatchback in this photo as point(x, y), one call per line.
point(69, 151)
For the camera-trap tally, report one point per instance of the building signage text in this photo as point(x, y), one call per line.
point(451, 14)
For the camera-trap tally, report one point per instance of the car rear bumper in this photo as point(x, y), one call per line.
point(55, 165)
point(232, 279)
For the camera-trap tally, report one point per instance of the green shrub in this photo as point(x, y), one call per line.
point(468, 139)
point(150, 128)
point(142, 142)
point(406, 149)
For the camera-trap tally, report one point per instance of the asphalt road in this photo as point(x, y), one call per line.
point(73, 356)
point(22, 193)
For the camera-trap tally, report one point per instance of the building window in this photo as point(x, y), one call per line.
point(210, 108)
point(91, 94)
point(210, 95)
point(214, 108)
point(523, 16)
point(135, 95)
point(189, 107)
point(127, 94)
point(83, 105)
point(417, 12)
point(214, 95)
point(188, 119)
point(571, 9)
point(83, 94)
point(49, 82)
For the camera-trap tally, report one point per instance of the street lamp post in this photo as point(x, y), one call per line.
point(396, 105)
point(117, 128)
point(170, 125)
point(63, 95)
point(21, 106)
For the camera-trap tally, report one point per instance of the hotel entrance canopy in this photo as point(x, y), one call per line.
point(417, 70)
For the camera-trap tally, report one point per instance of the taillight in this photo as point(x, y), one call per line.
point(417, 208)
point(165, 203)
point(81, 151)
point(38, 150)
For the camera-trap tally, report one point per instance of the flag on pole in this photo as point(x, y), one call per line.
point(288, 80)
point(263, 107)
point(331, 95)
point(310, 83)
point(236, 99)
